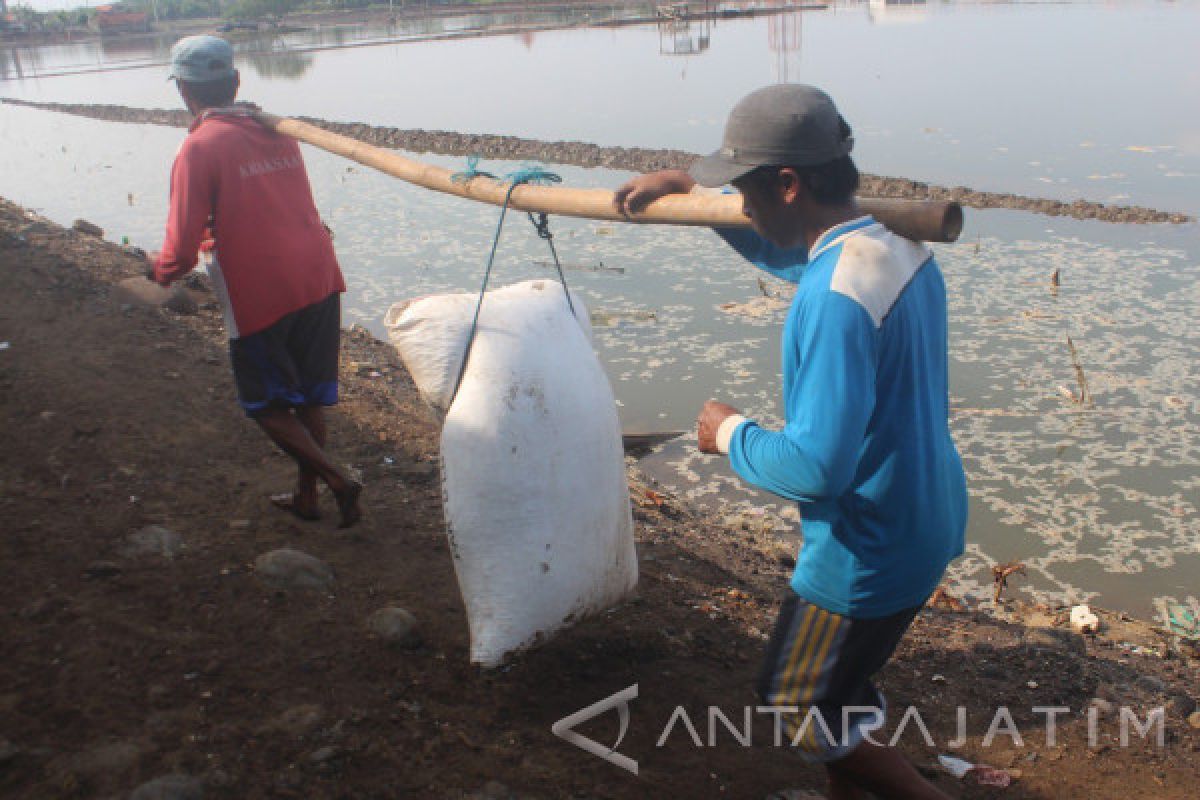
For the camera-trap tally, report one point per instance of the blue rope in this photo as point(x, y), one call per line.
point(471, 171)
point(531, 174)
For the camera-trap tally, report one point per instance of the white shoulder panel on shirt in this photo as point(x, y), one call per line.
point(874, 267)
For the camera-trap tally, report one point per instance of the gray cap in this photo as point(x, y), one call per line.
point(787, 125)
point(200, 59)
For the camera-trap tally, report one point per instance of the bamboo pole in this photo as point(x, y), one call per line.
point(920, 220)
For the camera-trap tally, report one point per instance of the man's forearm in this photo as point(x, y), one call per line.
point(168, 269)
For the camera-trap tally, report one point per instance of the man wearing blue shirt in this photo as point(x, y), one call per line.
point(865, 450)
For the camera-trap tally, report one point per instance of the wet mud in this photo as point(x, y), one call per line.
point(635, 159)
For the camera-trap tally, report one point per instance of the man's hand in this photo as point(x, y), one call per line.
point(643, 190)
point(151, 260)
point(710, 419)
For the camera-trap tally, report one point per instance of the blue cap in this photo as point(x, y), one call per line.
point(200, 59)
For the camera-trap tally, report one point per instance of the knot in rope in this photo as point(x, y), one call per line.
point(534, 174)
point(472, 171)
point(541, 224)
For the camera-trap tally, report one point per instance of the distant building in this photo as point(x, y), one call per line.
point(8, 22)
point(111, 20)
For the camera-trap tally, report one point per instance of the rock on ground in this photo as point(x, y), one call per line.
point(1151, 683)
point(102, 569)
point(113, 757)
point(170, 787)
point(142, 292)
point(1052, 640)
point(153, 540)
point(492, 790)
point(1181, 705)
point(292, 569)
point(296, 721)
point(395, 626)
point(90, 228)
point(323, 754)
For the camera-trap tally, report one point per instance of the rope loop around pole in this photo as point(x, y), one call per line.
point(534, 174)
point(472, 171)
point(527, 174)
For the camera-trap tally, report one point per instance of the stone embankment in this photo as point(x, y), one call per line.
point(634, 159)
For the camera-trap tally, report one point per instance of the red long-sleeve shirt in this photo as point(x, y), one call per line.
point(274, 254)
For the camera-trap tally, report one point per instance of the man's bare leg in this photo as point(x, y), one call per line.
point(305, 498)
point(883, 771)
point(303, 501)
point(293, 437)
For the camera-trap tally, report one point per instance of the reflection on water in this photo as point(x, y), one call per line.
point(943, 100)
point(1100, 501)
point(280, 63)
point(123, 50)
point(680, 34)
point(11, 65)
point(417, 22)
point(887, 12)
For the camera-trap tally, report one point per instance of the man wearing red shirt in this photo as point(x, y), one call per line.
point(274, 269)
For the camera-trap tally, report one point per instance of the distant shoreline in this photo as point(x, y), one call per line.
point(633, 159)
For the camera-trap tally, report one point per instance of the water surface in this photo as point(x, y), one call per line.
point(1100, 499)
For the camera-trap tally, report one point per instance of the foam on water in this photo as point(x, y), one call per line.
point(1098, 500)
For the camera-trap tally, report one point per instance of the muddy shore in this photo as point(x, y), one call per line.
point(125, 664)
point(634, 159)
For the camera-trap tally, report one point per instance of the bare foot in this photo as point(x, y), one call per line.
point(303, 507)
point(347, 503)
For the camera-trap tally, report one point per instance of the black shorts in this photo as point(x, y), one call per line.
point(818, 668)
point(292, 363)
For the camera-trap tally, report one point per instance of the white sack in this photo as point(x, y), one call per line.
point(536, 500)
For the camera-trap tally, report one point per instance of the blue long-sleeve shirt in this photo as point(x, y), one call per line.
point(865, 450)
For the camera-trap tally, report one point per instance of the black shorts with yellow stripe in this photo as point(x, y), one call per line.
point(817, 675)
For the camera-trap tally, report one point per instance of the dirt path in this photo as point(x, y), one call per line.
point(636, 159)
point(120, 668)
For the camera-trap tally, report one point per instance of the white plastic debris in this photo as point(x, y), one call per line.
point(536, 498)
point(1083, 620)
point(955, 766)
